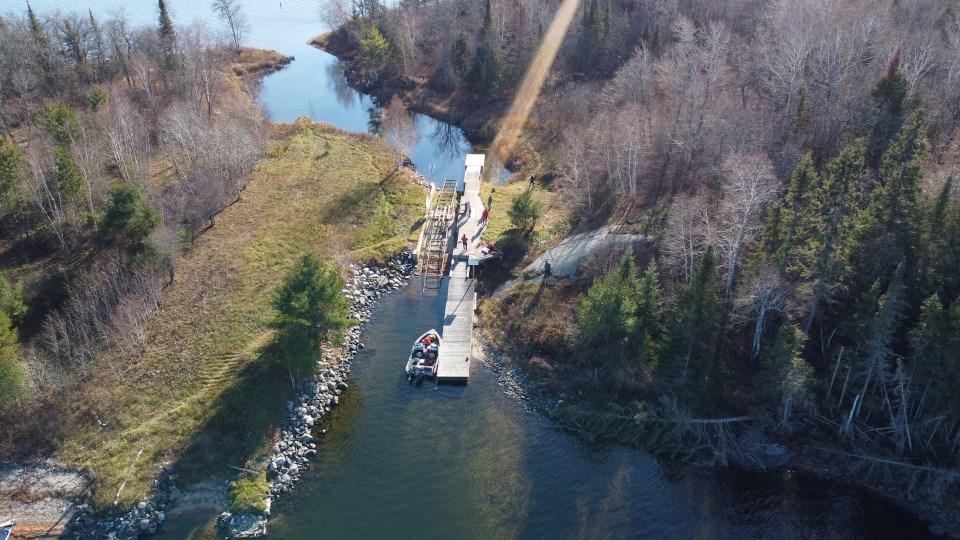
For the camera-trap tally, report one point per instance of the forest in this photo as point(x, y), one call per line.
point(119, 146)
point(792, 164)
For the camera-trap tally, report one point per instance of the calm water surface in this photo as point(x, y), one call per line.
point(469, 461)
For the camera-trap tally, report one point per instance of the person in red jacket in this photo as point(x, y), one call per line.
point(464, 242)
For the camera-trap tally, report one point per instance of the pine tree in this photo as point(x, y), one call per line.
point(309, 311)
point(168, 39)
point(36, 29)
point(11, 163)
point(935, 348)
point(485, 71)
point(836, 203)
point(12, 301)
point(789, 228)
point(935, 261)
point(128, 217)
point(891, 102)
point(693, 334)
point(888, 229)
point(878, 319)
point(785, 377)
point(607, 313)
point(59, 120)
point(648, 315)
point(12, 375)
point(66, 175)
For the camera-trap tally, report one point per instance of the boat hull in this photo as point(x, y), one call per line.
point(423, 361)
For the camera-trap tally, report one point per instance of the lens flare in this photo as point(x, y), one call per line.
point(536, 74)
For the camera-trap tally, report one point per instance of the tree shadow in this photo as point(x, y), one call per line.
point(244, 415)
point(351, 205)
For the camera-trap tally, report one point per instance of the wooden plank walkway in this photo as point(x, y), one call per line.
point(453, 364)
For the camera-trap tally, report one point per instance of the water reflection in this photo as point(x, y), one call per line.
point(346, 96)
point(447, 139)
point(373, 120)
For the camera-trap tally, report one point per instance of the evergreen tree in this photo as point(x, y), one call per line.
point(648, 316)
point(524, 212)
point(785, 377)
point(12, 375)
point(836, 203)
point(168, 38)
point(789, 228)
point(891, 102)
point(374, 48)
point(12, 301)
point(59, 120)
point(11, 164)
point(607, 314)
point(310, 311)
point(935, 348)
point(36, 29)
point(877, 320)
point(935, 257)
point(693, 332)
point(66, 175)
point(485, 71)
point(888, 229)
point(97, 98)
point(129, 217)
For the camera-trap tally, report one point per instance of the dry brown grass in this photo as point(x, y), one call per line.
point(257, 62)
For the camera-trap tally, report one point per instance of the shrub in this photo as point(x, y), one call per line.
point(524, 212)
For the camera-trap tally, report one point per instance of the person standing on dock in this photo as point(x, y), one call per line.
point(463, 241)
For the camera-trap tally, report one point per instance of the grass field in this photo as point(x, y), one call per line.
point(205, 394)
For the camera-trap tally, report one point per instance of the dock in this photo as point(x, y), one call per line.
point(453, 364)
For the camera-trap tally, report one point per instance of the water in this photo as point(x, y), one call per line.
point(313, 85)
point(470, 461)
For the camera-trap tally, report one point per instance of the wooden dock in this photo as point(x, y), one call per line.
point(453, 364)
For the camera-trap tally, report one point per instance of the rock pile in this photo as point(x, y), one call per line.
point(143, 519)
point(318, 395)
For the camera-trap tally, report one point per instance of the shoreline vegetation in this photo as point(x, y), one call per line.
point(256, 64)
point(781, 314)
point(147, 211)
point(478, 119)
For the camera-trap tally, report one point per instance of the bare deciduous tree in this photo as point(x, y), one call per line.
point(749, 185)
point(231, 13)
point(398, 129)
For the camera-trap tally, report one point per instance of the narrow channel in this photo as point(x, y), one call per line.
point(400, 461)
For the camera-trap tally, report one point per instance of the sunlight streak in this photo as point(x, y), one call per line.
point(536, 74)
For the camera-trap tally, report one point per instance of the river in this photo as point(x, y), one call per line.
point(471, 461)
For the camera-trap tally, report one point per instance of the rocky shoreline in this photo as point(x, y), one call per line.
point(517, 383)
point(318, 395)
point(289, 457)
point(143, 519)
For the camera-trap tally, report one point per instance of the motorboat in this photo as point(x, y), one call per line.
point(424, 356)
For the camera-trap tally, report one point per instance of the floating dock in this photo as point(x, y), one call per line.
point(453, 364)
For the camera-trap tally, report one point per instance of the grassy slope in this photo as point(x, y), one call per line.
point(554, 224)
point(204, 394)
